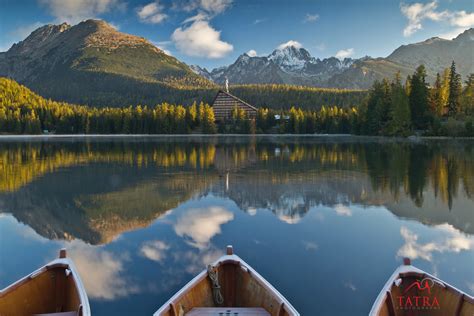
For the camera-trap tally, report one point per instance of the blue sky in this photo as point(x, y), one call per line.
point(213, 33)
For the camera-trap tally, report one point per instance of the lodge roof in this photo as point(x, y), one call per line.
point(234, 97)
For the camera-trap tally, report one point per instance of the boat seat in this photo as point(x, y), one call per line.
point(228, 311)
point(73, 313)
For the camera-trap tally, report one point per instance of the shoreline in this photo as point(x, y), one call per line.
point(41, 137)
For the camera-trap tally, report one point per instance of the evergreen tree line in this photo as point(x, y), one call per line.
point(24, 112)
point(393, 108)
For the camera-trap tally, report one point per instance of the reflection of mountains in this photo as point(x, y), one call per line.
point(99, 202)
point(95, 191)
point(291, 195)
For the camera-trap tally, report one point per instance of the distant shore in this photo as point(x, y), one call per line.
point(53, 137)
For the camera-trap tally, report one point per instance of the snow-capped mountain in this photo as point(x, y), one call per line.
point(291, 58)
point(289, 64)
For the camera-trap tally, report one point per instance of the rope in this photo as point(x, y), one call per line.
point(216, 288)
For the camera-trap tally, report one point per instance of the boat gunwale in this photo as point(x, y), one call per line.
point(404, 270)
point(226, 259)
point(65, 263)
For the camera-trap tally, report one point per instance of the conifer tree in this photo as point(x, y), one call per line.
point(436, 104)
point(454, 91)
point(400, 123)
point(418, 98)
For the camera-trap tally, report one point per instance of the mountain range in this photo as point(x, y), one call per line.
point(93, 63)
point(287, 65)
point(294, 65)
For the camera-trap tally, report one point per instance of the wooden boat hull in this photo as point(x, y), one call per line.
point(54, 289)
point(244, 291)
point(412, 291)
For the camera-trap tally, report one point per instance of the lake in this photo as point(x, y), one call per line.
point(325, 219)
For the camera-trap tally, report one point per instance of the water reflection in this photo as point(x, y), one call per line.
point(199, 225)
point(140, 218)
point(94, 190)
point(452, 241)
point(102, 271)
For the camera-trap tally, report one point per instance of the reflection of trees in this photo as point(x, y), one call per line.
point(415, 168)
point(96, 190)
point(417, 172)
point(21, 163)
point(392, 167)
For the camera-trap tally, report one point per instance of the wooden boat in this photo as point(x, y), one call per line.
point(53, 290)
point(411, 291)
point(228, 287)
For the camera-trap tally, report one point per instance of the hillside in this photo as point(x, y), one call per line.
point(14, 95)
point(435, 54)
point(92, 63)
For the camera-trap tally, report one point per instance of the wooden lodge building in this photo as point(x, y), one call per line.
point(224, 103)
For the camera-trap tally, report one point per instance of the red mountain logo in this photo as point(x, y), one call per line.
point(424, 285)
point(422, 299)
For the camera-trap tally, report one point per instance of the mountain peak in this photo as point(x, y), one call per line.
point(290, 57)
point(96, 25)
point(99, 33)
point(467, 35)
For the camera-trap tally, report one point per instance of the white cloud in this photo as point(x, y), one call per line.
point(201, 224)
point(152, 13)
point(311, 18)
point(293, 43)
point(412, 249)
point(342, 210)
point(455, 241)
point(462, 19)
point(102, 272)
point(211, 7)
point(197, 37)
point(215, 6)
point(417, 12)
point(200, 39)
point(258, 21)
point(345, 53)
point(198, 17)
point(74, 11)
point(154, 250)
point(252, 53)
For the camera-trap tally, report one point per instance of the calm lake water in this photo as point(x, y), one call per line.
point(325, 220)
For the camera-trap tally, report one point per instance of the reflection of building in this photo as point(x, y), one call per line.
point(225, 102)
point(234, 159)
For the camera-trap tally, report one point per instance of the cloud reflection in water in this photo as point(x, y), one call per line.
point(455, 241)
point(201, 224)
